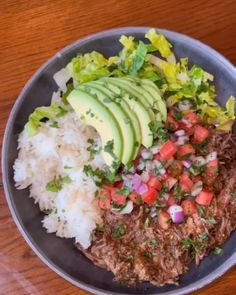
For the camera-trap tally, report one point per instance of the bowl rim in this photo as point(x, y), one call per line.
point(230, 262)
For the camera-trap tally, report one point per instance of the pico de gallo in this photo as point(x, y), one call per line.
point(172, 177)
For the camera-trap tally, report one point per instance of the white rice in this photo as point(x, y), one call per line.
point(43, 157)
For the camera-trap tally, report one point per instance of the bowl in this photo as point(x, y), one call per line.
point(60, 254)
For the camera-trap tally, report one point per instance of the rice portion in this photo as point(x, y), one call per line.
point(61, 152)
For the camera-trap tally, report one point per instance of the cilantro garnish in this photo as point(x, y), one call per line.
point(55, 185)
point(158, 131)
point(119, 231)
point(218, 250)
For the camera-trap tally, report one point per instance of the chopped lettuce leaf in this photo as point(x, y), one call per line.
point(138, 58)
point(127, 42)
point(89, 67)
point(40, 113)
point(160, 42)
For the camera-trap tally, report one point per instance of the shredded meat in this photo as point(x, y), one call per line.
point(160, 256)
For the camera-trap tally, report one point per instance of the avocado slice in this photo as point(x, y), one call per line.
point(93, 113)
point(152, 89)
point(136, 107)
point(125, 106)
point(122, 118)
point(155, 92)
point(133, 90)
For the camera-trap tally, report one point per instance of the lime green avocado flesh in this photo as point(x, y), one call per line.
point(157, 103)
point(136, 107)
point(123, 119)
point(123, 104)
point(120, 109)
point(92, 112)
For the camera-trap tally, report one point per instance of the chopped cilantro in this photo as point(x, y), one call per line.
point(129, 257)
point(158, 131)
point(218, 250)
point(92, 149)
point(147, 222)
point(47, 211)
point(193, 246)
point(200, 211)
point(177, 115)
point(123, 191)
point(119, 231)
point(54, 124)
point(109, 148)
point(100, 228)
point(212, 220)
point(153, 242)
point(148, 254)
point(54, 185)
point(67, 167)
point(233, 194)
point(139, 200)
point(203, 236)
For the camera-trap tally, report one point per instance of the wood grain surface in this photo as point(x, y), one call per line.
point(30, 33)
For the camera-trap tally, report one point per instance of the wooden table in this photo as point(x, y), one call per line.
point(30, 33)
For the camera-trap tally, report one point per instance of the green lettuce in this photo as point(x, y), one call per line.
point(40, 113)
point(159, 42)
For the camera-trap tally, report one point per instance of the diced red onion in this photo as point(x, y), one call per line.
point(157, 163)
point(199, 161)
point(211, 157)
point(180, 132)
point(186, 122)
point(187, 163)
point(136, 181)
point(162, 171)
point(150, 165)
point(197, 188)
point(155, 149)
point(142, 189)
point(145, 176)
point(169, 162)
point(166, 196)
point(185, 105)
point(173, 137)
point(141, 165)
point(128, 208)
point(176, 213)
point(146, 155)
point(182, 140)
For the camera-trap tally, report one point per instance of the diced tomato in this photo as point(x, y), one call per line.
point(168, 150)
point(189, 207)
point(154, 183)
point(212, 168)
point(204, 198)
point(176, 168)
point(133, 197)
point(200, 134)
point(164, 219)
point(192, 118)
point(171, 123)
point(196, 178)
point(185, 182)
point(189, 130)
point(171, 201)
point(185, 150)
point(157, 157)
point(118, 184)
point(117, 198)
point(104, 198)
point(150, 196)
point(170, 181)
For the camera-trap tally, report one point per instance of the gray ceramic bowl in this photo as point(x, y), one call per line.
point(60, 254)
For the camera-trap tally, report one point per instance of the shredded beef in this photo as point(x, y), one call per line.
point(160, 256)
